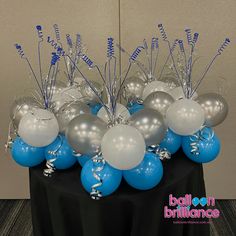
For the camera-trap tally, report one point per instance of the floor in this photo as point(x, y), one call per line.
point(15, 218)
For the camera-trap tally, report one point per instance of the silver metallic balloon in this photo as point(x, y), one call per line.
point(68, 112)
point(150, 124)
point(133, 88)
point(215, 108)
point(159, 101)
point(85, 132)
point(88, 93)
point(21, 107)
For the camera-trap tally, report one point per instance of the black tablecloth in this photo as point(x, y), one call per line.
point(61, 207)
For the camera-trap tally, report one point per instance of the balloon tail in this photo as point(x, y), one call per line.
point(98, 166)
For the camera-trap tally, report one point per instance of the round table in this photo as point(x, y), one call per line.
point(61, 207)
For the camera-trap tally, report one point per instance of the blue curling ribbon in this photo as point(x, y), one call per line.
point(110, 47)
point(20, 50)
point(181, 45)
point(40, 32)
point(136, 53)
point(55, 58)
point(174, 45)
point(60, 51)
point(195, 37)
point(78, 40)
point(162, 31)
point(189, 35)
point(57, 32)
point(38, 27)
point(223, 46)
point(56, 46)
point(52, 42)
point(87, 60)
point(69, 41)
point(155, 43)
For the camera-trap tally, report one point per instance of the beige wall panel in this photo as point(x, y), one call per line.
point(94, 19)
point(214, 20)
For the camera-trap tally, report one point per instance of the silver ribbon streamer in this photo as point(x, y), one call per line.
point(9, 142)
point(98, 165)
point(118, 120)
point(76, 154)
point(201, 135)
point(140, 101)
point(50, 168)
point(163, 153)
point(49, 164)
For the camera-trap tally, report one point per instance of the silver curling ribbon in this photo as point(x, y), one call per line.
point(118, 120)
point(11, 132)
point(98, 165)
point(50, 167)
point(194, 144)
point(203, 134)
point(163, 153)
point(76, 154)
point(140, 101)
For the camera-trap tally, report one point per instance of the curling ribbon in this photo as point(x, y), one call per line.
point(98, 164)
point(49, 164)
point(76, 154)
point(202, 134)
point(135, 54)
point(50, 168)
point(118, 120)
point(9, 142)
point(163, 153)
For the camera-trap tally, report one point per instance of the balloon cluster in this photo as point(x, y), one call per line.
point(142, 120)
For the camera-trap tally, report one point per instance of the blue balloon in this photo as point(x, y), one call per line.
point(172, 141)
point(83, 159)
point(135, 107)
point(95, 108)
point(26, 155)
point(64, 155)
point(147, 174)
point(208, 149)
point(111, 178)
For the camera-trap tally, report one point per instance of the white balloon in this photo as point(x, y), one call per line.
point(123, 147)
point(39, 128)
point(155, 86)
point(185, 117)
point(177, 93)
point(121, 111)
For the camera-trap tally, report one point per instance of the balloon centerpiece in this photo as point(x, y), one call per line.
point(128, 139)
